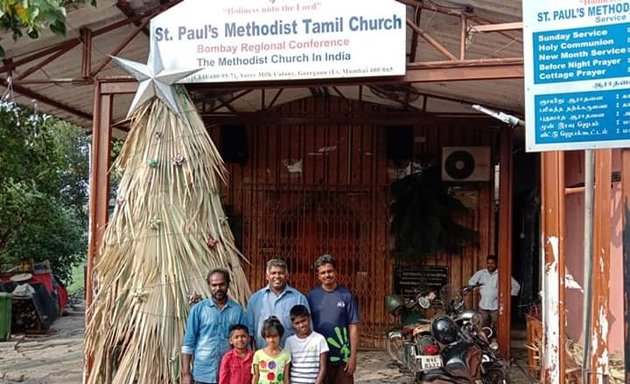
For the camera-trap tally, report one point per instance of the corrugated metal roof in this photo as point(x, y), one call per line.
point(502, 94)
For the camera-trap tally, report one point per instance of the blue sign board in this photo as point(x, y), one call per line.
point(577, 74)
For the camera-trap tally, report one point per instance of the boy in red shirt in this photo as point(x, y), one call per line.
point(236, 364)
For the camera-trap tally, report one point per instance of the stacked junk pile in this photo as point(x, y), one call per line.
point(31, 299)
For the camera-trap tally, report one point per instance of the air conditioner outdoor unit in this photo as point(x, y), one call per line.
point(466, 163)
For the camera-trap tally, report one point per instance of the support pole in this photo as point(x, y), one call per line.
point(505, 241)
point(552, 219)
point(601, 267)
point(99, 183)
point(99, 194)
point(589, 187)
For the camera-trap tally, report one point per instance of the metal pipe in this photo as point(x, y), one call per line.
point(589, 181)
point(429, 39)
point(573, 190)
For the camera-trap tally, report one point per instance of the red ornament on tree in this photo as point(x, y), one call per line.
point(212, 242)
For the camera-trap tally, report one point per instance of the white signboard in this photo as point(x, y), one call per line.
point(577, 74)
point(254, 40)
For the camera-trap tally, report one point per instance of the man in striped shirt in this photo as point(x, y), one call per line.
point(308, 349)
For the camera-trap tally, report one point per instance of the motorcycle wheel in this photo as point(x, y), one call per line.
point(396, 349)
point(494, 375)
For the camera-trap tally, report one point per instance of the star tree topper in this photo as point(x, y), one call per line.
point(155, 81)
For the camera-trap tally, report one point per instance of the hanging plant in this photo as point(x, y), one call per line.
point(422, 217)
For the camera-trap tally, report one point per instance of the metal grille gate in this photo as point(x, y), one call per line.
point(300, 223)
point(311, 186)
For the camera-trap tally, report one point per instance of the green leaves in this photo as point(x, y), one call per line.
point(43, 189)
point(34, 16)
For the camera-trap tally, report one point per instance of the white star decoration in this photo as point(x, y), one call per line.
point(154, 79)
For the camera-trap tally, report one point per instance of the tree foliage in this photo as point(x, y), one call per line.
point(32, 17)
point(43, 190)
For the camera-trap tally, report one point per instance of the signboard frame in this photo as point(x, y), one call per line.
point(410, 280)
point(263, 40)
point(577, 74)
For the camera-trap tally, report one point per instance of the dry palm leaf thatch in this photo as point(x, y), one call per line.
point(167, 231)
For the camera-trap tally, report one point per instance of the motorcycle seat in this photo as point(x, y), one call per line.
point(415, 329)
point(408, 329)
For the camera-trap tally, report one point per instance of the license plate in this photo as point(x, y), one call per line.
point(429, 362)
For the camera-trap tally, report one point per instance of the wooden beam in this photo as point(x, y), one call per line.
point(458, 70)
point(275, 98)
point(46, 61)
point(226, 103)
point(472, 63)
point(86, 58)
point(11, 63)
point(517, 26)
point(432, 42)
point(73, 81)
point(430, 6)
point(440, 71)
point(482, 21)
point(125, 7)
point(399, 118)
point(45, 99)
point(463, 32)
point(118, 86)
point(121, 46)
point(414, 36)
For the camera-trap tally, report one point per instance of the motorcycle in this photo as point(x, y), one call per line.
point(411, 345)
point(468, 354)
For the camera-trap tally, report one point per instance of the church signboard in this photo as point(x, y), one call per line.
point(262, 40)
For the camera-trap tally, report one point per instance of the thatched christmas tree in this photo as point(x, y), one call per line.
point(167, 231)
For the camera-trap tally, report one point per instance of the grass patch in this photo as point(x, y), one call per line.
point(77, 279)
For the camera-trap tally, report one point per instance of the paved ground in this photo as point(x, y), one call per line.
point(57, 359)
point(375, 368)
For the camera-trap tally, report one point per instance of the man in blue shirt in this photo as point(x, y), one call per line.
point(335, 315)
point(207, 331)
point(276, 299)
